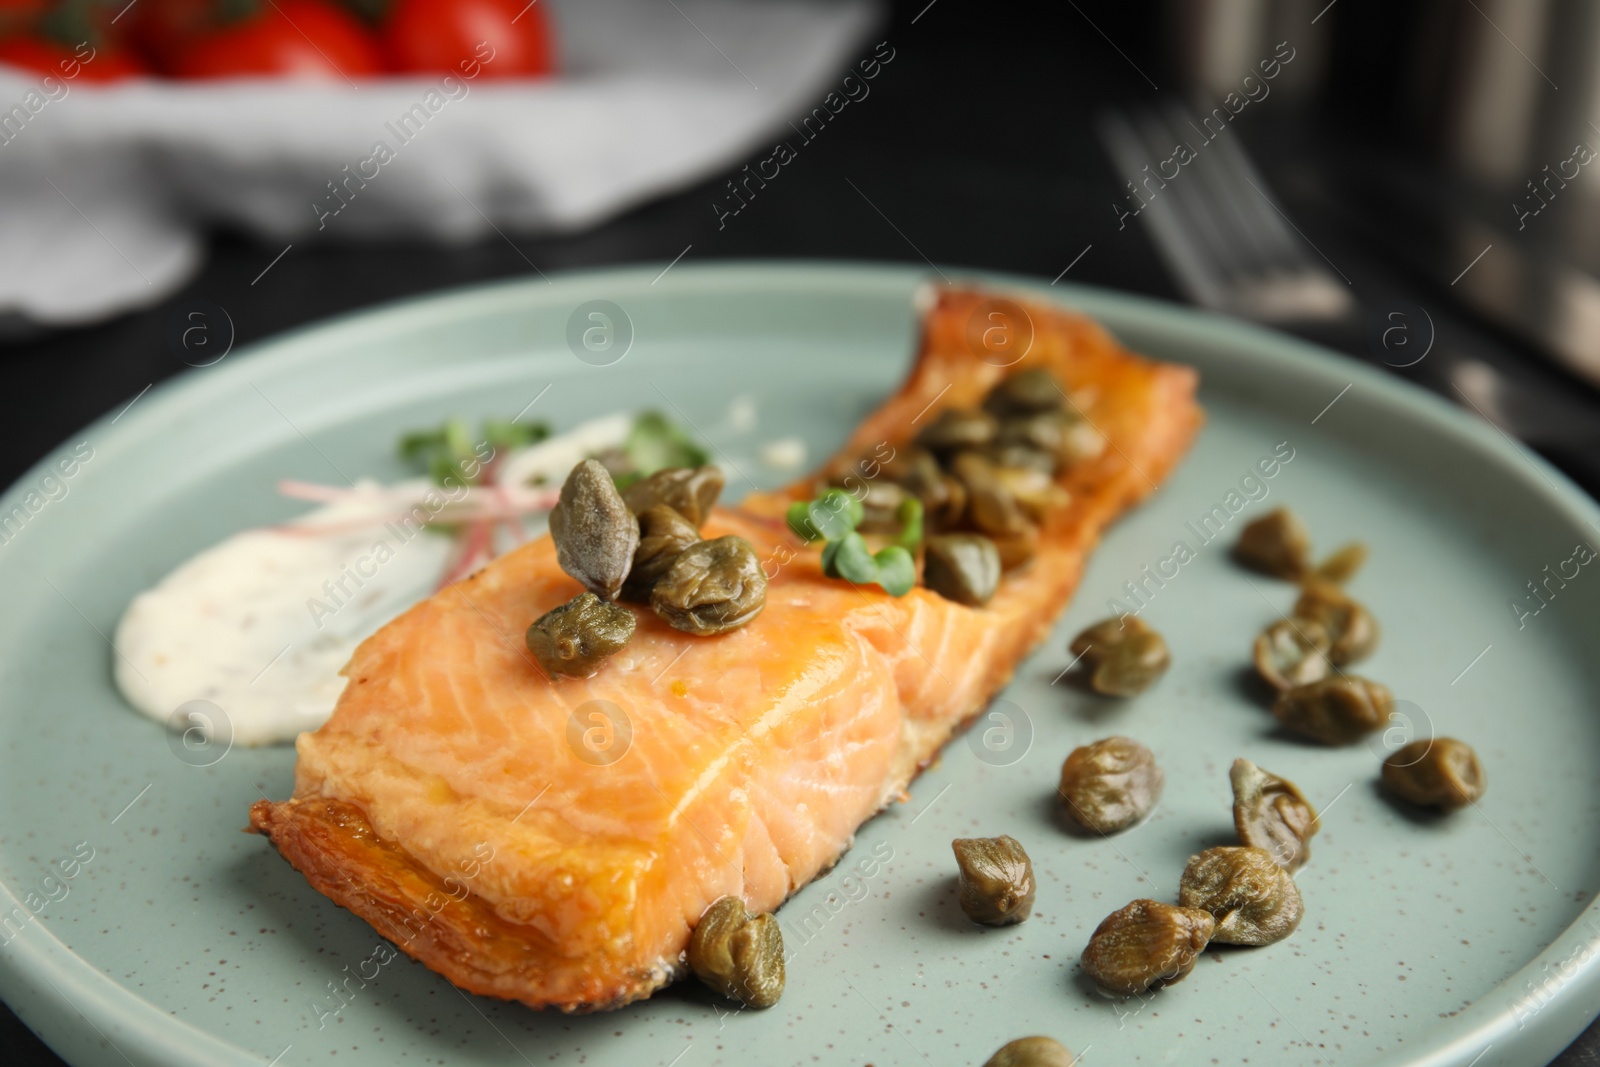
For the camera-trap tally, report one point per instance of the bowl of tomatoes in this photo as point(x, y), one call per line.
point(131, 129)
point(332, 40)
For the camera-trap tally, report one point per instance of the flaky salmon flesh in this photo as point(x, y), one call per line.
point(555, 841)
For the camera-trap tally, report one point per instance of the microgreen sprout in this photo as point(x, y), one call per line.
point(833, 518)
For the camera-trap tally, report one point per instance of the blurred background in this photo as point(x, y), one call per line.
point(1409, 184)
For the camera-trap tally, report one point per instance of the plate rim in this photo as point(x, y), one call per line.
point(153, 1035)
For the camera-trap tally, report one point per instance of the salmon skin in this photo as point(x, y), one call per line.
point(554, 842)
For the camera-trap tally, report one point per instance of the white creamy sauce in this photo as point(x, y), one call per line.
point(550, 461)
point(261, 624)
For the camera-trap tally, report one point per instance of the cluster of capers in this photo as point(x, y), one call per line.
point(1300, 656)
point(986, 478)
point(642, 545)
point(1233, 894)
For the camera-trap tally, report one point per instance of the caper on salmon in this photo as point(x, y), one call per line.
point(943, 499)
point(1026, 392)
point(1045, 432)
point(961, 567)
point(1145, 945)
point(594, 532)
point(690, 491)
point(1277, 544)
point(1035, 492)
point(663, 533)
point(996, 879)
point(1110, 784)
point(712, 587)
point(880, 507)
point(1020, 457)
point(1335, 710)
point(1293, 652)
point(1352, 631)
point(991, 508)
point(1270, 813)
point(1253, 900)
point(955, 429)
point(738, 954)
point(577, 637)
point(1123, 656)
point(1438, 773)
point(1032, 1052)
point(1017, 549)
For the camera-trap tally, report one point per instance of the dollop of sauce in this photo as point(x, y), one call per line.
point(261, 624)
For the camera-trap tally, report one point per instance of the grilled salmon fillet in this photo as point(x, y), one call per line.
point(554, 842)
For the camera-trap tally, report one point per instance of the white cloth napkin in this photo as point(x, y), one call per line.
point(105, 191)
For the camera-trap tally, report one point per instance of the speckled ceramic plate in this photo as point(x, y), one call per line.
point(142, 927)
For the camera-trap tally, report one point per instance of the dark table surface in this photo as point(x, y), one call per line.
point(975, 149)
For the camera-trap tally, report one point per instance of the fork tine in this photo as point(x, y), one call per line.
point(1229, 247)
point(1225, 198)
point(1183, 251)
point(1238, 173)
point(1196, 197)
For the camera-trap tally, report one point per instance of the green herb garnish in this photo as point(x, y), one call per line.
point(450, 451)
point(654, 444)
point(833, 518)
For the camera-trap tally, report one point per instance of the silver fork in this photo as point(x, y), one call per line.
point(1232, 249)
point(1226, 242)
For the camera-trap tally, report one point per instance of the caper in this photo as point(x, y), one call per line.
point(1021, 457)
point(1352, 631)
point(712, 586)
point(663, 533)
point(1123, 655)
point(996, 887)
point(943, 499)
point(1025, 393)
point(1146, 944)
point(961, 567)
point(1032, 1052)
point(594, 532)
point(690, 491)
point(1342, 565)
point(1034, 491)
point(1083, 441)
point(880, 505)
point(1270, 813)
point(1277, 544)
point(1441, 773)
point(576, 637)
point(1292, 652)
point(955, 429)
point(1044, 431)
point(1335, 710)
point(1018, 548)
point(1253, 900)
point(738, 954)
point(1110, 784)
point(991, 509)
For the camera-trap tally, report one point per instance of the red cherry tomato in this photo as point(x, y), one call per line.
point(296, 38)
point(162, 29)
point(501, 38)
point(101, 63)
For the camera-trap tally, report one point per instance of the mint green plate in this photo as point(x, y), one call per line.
point(1471, 939)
